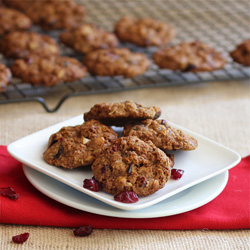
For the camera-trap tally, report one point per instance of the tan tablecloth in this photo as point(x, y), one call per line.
point(218, 110)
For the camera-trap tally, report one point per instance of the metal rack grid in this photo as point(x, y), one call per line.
point(221, 24)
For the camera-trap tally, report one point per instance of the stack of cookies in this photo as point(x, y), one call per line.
point(38, 61)
point(138, 161)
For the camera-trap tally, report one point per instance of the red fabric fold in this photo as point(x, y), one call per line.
point(230, 210)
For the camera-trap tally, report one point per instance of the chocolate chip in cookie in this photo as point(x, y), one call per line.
point(121, 113)
point(131, 164)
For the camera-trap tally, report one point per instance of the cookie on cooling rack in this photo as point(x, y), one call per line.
point(12, 20)
point(117, 61)
point(144, 32)
point(131, 164)
point(48, 71)
point(161, 134)
point(5, 77)
point(189, 57)
point(56, 15)
point(78, 146)
point(241, 54)
point(121, 113)
point(87, 38)
point(23, 44)
point(23, 4)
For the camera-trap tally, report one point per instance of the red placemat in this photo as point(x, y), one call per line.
point(230, 210)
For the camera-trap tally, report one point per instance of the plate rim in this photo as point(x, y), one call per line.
point(214, 192)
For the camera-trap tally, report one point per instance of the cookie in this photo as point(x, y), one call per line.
point(131, 164)
point(189, 57)
point(5, 77)
point(78, 146)
point(48, 71)
point(13, 20)
point(87, 38)
point(121, 113)
point(56, 15)
point(24, 44)
point(22, 5)
point(144, 32)
point(241, 54)
point(115, 62)
point(161, 134)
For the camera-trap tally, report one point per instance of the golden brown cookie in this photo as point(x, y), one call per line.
point(161, 134)
point(48, 71)
point(87, 38)
point(189, 57)
point(144, 31)
point(56, 15)
point(77, 146)
point(121, 113)
point(131, 164)
point(24, 44)
point(5, 77)
point(115, 62)
point(13, 20)
point(241, 54)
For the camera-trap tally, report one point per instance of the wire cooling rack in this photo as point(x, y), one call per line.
point(221, 24)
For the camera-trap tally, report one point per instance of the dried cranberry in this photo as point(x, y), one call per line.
point(92, 184)
point(58, 154)
point(83, 230)
point(9, 192)
point(21, 238)
point(126, 197)
point(176, 173)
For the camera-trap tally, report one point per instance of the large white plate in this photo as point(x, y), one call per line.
point(208, 160)
point(184, 201)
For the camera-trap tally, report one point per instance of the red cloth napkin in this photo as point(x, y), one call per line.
point(230, 210)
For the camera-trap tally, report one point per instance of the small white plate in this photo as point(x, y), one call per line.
point(208, 160)
point(189, 199)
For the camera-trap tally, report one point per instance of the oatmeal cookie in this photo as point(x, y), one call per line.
point(189, 57)
point(23, 44)
point(131, 164)
point(5, 77)
point(241, 54)
point(87, 38)
point(23, 4)
point(12, 20)
point(114, 62)
point(56, 15)
point(121, 113)
point(144, 32)
point(77, 146)
point(48, 71)
point(161, 134)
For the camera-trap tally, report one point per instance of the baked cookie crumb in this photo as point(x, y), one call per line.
point(241, 54)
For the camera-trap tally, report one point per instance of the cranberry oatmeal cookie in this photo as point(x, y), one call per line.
point(48, 71)
point(241, 54)
point(144, 32)
point(189, 57)
point(5, 77)
point(131, 164)
point(161, 134)
point(23, 44)
point(12, 20)
point(56, 15)
point(115, 62)
point(87, 38)
point(77, 146)
point(121, 113)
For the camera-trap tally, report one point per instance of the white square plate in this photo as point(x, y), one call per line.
point(208, 160)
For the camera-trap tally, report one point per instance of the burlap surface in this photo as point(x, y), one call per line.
point(218, 110)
